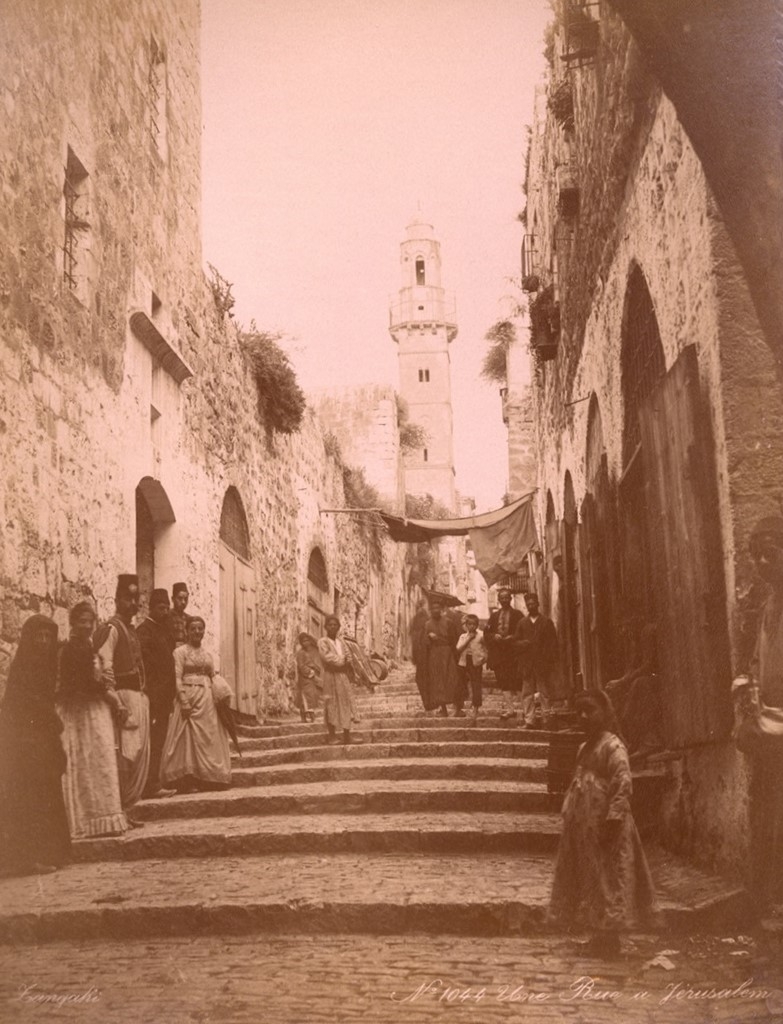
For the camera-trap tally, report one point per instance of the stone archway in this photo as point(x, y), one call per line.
point(154, 519)
point(318, 593)
point(719, 65)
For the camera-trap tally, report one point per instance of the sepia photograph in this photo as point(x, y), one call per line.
point(391, 559)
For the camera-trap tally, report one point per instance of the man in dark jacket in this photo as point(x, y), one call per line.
point(537, 646)
point(157, 651)
point(502, 654)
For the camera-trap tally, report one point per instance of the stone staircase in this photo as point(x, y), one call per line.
point(431, 825)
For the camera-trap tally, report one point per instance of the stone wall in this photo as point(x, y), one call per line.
point(364, 421)
point(643, 200)
point(91, 407)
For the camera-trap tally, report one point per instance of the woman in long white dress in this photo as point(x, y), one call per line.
point(88, 709)
point(196, 753)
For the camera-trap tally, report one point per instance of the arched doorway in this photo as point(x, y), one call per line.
point(672, 556)
point(154, 517)
point(643, 367)
point(597, 556)
point(318, 603)
point(569, 589)
point(237, 604)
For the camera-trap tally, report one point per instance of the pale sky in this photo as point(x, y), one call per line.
point(326, 124)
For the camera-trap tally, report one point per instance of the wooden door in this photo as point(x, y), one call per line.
point(228, 661)
point(245, 601)
point(237, 629)
point(686, 556)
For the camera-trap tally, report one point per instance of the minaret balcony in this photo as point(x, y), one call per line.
point(423, 306)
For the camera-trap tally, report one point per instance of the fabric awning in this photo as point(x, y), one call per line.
point(413, 531)
point(501, 539)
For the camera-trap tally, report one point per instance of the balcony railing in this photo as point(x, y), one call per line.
point(424, 305)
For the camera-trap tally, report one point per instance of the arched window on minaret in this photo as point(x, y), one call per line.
point(420, 270)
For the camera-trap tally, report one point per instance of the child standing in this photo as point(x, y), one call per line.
point(471, 657)
point(602, 880)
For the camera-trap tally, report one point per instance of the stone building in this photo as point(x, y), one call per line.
point(364, 422)
point(657, 413)
point(129, 417)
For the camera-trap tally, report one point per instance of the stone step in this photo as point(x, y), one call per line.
point(480, 769)
point(477, 833)
point(465, 750)
point(295, 727)
point(424, 732)
point(378, 894)
point(355, 798)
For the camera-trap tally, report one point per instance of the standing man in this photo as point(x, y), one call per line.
point(179, 619)
point(536, 642)
point(157, 652)
point(764, 741)
point(502, 654)
point(122, 668)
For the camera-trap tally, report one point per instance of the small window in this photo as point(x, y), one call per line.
point(76, 244)
point(425, 454)
point(156, 95)
point(420, 271)
point(424, 376)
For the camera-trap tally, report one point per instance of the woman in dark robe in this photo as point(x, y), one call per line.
point(419, 653)
point(441, 637)
point(309, 681)
point(33, 826)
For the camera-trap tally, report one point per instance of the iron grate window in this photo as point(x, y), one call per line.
point(74, 193)
point(155, 86)
point(529, 256)
point(642, 359)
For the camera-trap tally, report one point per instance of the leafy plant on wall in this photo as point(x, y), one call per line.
point(281, 402)
point(499, 337)
point(412, 435)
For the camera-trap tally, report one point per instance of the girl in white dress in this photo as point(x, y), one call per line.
point(196, 754)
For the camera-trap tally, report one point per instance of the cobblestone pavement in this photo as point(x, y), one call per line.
point(361, 887)
point(395, 980)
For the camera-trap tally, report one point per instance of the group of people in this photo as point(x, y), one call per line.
point(325, 675)
point(521, 650)
point(601, 879)
point(113, 714)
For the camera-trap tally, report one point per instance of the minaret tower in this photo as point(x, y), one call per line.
point(423, 323)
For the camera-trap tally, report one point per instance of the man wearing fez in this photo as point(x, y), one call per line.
point(179, 619)
point(499, 638)
point(762, 737)
point(157, 651)
point(119, 650)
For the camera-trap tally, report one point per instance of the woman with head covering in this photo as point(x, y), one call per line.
point(196, 754)
point(33, 826)
point(441, 637)
point(338, 689)
point(601, 881)
point(308, 677)
point(86, 704)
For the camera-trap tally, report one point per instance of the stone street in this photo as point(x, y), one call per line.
point(283, 979)
point(393, 881)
